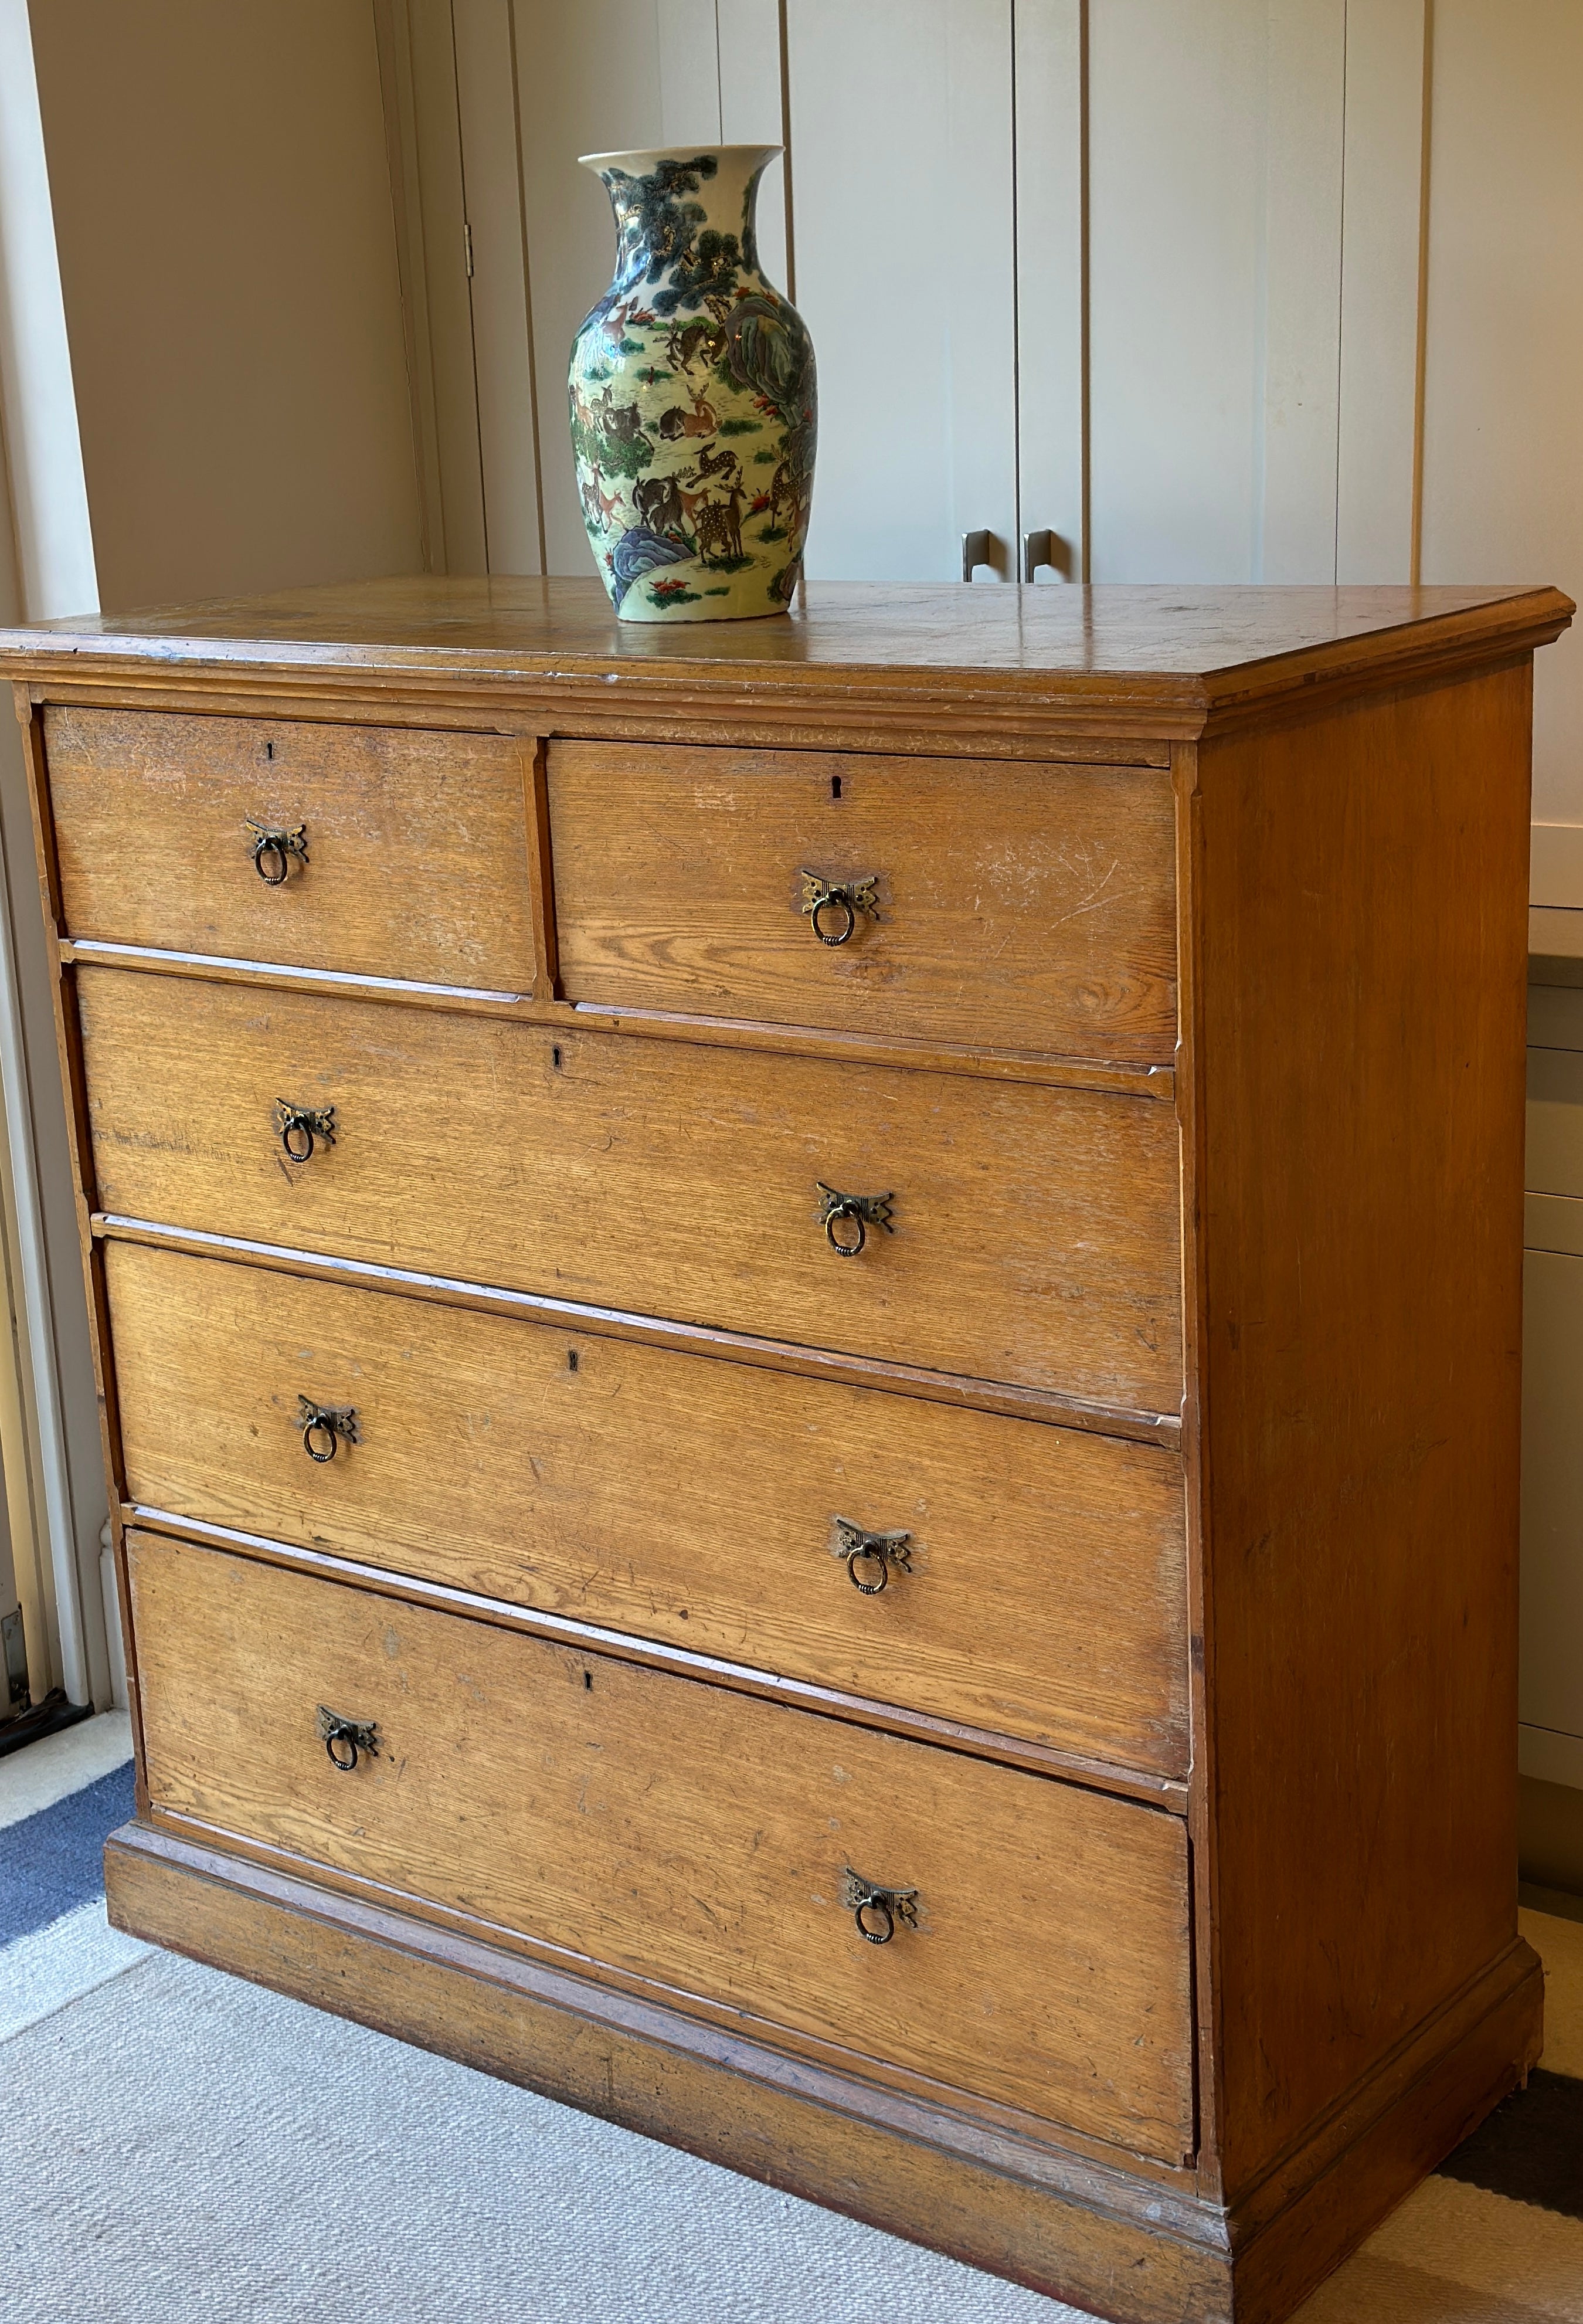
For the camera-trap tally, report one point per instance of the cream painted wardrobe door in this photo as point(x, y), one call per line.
point(903, 244)
point(1551, 1672)
point(1552, 1685)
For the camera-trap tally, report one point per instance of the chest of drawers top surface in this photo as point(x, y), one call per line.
point(775, 1259)
point(1182, 645)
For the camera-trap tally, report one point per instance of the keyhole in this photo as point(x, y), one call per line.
point(571, 1359)
point(588, 1681)
point(269, 749)
point(835, 786)
point(555, 1057)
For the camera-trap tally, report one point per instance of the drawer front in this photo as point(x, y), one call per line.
point(674, 1497)
point(1016, 907)
point(1035, 1231)
point(683, 1834)
point(417, 845)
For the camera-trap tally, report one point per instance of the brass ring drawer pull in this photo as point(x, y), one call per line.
point(275, 847)
point(847, 896)
point(877, 1552)
point(875, 1910)
point(354, 1737)
point(326, 1425)
point(863, 1210)
point(300, 1127)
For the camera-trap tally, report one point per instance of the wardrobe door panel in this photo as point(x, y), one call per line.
point(901, 113)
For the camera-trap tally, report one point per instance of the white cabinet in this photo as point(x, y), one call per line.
point(901, 126)
point(1551, 1704)
point(1213, 291)
point(1142, 274)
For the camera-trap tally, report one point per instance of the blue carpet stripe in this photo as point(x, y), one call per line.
point(54, 1862)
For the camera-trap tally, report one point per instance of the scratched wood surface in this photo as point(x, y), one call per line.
point(1036, 1232)
point(1176, 640)
point(673, 1497)
point(1361, 1044)
point(1349, 770)
point(1026, 907)
point(580, 1801)
point(417, 844)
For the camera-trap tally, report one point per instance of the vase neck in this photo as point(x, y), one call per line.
point(685, 221)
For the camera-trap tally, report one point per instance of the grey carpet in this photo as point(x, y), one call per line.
point(181, 2148)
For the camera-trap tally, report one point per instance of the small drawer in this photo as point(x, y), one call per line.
point(1037, 1952)
point(1014, 1232)
point(986, 903)
point(394, 853)
point(1038, 1586)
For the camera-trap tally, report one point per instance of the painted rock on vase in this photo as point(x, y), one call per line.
point(692, 397)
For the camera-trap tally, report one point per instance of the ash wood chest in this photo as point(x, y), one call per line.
point(809, 1343)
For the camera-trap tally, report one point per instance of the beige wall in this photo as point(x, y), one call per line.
point(227, 255)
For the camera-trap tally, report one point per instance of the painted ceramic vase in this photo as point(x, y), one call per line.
point(693, 400)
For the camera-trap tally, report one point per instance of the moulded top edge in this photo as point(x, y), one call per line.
point(1160, 648)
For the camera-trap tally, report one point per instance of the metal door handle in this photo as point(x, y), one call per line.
point(1045, 549)
point(359, 1737)
point(979, 549)
point(275, 847)
point(879, 1553)
point(875, 1909)
point(300, 1128)
point(846, 898)
point(323, 1427)
point(864, 1210)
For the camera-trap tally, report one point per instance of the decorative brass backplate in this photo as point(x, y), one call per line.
point(864, 1210)
point(300, 1128)
point(846, 897)
point(875, 1909)
point(878, 1552)
point(275, 847)
point(327, 1425)
point(353, 1736)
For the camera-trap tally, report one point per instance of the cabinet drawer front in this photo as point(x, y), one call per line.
point(417, 844)
point(1016, 907)
point(1035, 1231)
point(681, 1833)
point(673, 1497)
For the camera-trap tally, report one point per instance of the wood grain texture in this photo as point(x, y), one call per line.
point(951, 1389)
point(1036, 1231)
point(673, 1497)
point(1307, 2217)
point(1128, 1080)
point(1106, 2242)
point(679, 1659)
point(73, 1090)
point(578, 1801)
point(1044, 672)
point(418, 843)
point(1023, 910)
point(1346, 1994)
point(1036, 2213)
point(1359, 1040)
point(1182, 641)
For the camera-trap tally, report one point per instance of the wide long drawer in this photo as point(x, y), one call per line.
point(1038, 1587)
point(682, 1834)
point(380, 851)
point(1023, 906)
point(1033, 1235)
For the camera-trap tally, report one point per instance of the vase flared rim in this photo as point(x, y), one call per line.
point(762, 154)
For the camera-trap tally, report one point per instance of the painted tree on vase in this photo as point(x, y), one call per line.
point(692, 397)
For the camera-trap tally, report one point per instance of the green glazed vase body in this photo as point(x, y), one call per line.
point(692, 397)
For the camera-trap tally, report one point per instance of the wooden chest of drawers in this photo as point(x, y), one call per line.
point(809, 1341)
